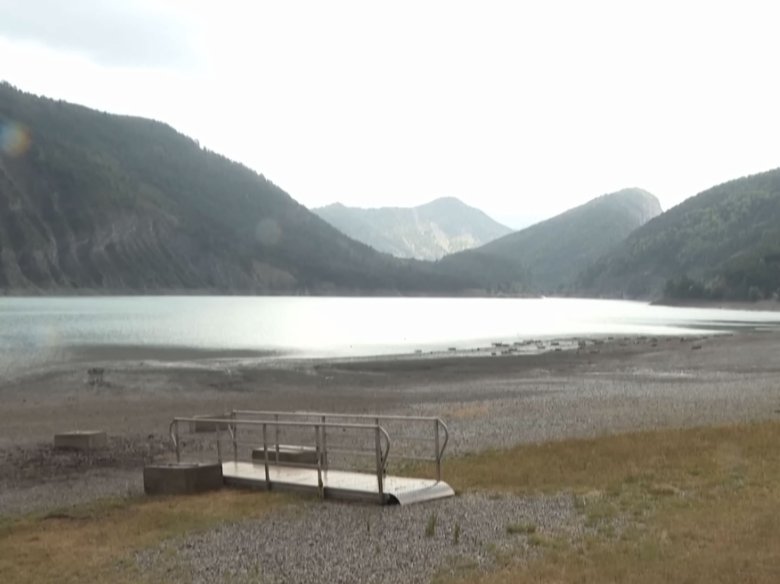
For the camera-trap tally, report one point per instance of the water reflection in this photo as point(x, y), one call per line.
point(39, 330)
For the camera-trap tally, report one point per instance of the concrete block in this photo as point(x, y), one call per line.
point(81, 440)
point(182, 478)
point(288, 454)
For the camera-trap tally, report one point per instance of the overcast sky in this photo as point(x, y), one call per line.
point(522, 109)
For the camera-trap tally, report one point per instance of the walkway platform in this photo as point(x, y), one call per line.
point(337, 484)
point(338, 456)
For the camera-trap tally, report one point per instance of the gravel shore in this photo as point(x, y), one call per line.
point(336, 542)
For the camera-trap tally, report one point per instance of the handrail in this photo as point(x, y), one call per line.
point(232, 422)
point(227, 421)
point(174, 437)
point(446, 438)
point(320, 423)
point(439, 423)
point(440, 449)
point(397, 417)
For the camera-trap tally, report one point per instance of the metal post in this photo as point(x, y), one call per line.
point(265, 457)
point(384, 463)
point(176, 438)
point(320, 487)
point(276, 419)
point(379, 477)
point(219, 443)
point(324, 445)
point(436, 446)
point(234, 432)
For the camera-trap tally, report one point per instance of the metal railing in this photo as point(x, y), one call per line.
point(438, 438)
point(317, 433)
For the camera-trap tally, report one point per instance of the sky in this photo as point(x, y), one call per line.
point(522, 109)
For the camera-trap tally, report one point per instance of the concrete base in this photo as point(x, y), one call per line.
point(81, 440)
point(288, 454)
point(182, 478)
point(209, 426)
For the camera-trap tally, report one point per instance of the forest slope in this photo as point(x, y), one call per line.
point(103, 203)
point(547, 257)
point(724, 243)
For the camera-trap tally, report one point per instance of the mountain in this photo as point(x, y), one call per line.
point(96, 202)
point(724, 243)
point(427, 232)
point(547, 257)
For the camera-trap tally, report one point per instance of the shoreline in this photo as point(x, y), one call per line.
point(126, 356)
point(757, 306)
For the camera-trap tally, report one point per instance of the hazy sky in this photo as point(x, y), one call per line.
point(523, 109)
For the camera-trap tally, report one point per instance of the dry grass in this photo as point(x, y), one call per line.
point(679, 506)
point(95, 543)
point(687, 506)
point(676, 457)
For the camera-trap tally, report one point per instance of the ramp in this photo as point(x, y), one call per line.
point(336, 484)
point(323, 453)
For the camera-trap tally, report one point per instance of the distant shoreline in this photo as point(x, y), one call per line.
point(336, 293)
point(759, 305)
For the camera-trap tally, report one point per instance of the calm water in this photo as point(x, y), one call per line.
point(44, 330)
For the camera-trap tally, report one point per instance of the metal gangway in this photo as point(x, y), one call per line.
point(345, 456)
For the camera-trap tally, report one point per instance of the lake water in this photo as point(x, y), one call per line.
point(35, 331)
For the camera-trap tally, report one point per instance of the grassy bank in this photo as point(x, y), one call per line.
point(96, 543)
point(700, 505)
point(684, 506)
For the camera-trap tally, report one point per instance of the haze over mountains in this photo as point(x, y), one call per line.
point(426, 232)
point(98, 203)
point(548, 256)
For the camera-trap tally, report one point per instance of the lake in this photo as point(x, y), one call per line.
point(36, 331)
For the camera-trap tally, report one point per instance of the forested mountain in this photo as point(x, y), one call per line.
point(723, 243)
point(426, 232)
point(547, 257)
point(93, 202)
point(97, 202)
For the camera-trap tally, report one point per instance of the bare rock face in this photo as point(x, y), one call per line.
point(427, 232)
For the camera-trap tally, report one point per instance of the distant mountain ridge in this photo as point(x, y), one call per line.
point(98, 203)
point(548, 256)
point(428, 232)
point(94, 202)
point(724, 243)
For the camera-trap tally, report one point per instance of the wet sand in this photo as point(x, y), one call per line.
point(488, 400)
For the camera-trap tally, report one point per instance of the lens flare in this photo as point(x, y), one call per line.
point(14, 139)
